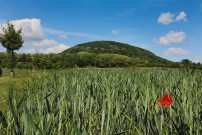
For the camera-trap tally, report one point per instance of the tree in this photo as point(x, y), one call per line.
point(11, 40)
point(186, 63)
point(113, 60)
point(86, 59)
point(4, 59)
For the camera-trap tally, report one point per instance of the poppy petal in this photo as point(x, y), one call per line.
point(166, 100)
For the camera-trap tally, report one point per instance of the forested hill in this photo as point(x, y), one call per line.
point(101, 54)
point(111, 47)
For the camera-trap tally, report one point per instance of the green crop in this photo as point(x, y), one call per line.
point(111, 101)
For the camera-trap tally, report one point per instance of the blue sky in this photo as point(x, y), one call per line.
point(169, 28)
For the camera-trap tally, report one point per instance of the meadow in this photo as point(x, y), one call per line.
point(106, 101)
point(21, 81)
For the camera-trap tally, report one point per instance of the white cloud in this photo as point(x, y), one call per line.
point(172, 37)
point(197, 59)
point(32, 51)
point(176, 51)
point(63, 36)
point(45, 43)
point(115, 32)
point(181, 17)
point(56, 49)
point(76, 34)
point(31, 29)
point(47, 46)
point(167, 18)
point(35, 38)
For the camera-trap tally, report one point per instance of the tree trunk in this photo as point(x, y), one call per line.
point(12, 64)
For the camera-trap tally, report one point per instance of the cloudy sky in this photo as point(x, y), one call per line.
point(171, 29)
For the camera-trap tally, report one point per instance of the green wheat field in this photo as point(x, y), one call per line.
point(106, 102)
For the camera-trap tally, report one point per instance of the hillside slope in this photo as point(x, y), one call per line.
point(112, 47)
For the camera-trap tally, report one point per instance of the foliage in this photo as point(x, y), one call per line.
point(186, 63)
point(11, 40)
point(86, 59)
point(112, 47)
point(107, 102)
point(101, 54)
point(113, 60)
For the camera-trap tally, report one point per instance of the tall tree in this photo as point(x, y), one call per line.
point(11, 40)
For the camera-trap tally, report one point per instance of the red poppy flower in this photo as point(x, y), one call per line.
point(166, 100)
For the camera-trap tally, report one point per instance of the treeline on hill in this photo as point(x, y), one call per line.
point(84, 59)
point(102, 54)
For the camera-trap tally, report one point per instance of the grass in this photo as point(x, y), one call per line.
point(21, 81)
point(111, 101)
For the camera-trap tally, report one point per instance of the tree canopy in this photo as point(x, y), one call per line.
point(11, 40)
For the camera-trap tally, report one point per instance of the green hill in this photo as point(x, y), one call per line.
point(101, 54)
point(140, 57)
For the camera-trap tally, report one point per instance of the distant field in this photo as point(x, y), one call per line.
point(110, 101)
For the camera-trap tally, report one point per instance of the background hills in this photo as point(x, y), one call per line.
point(137, 56)
point(101, 54)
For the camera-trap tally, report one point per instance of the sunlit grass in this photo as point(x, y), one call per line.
point(111, 101)
point(21, 81)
